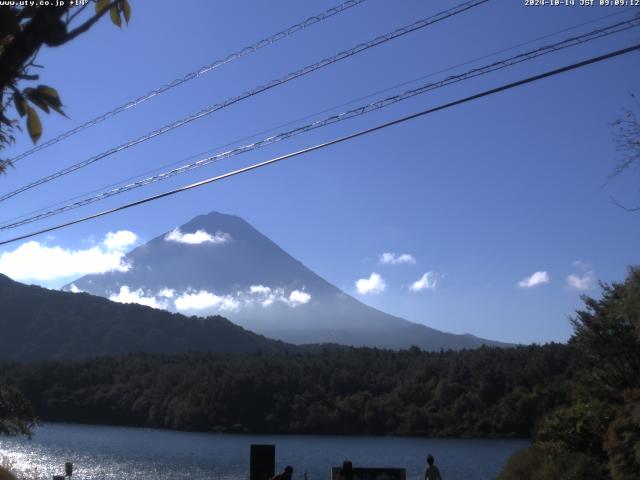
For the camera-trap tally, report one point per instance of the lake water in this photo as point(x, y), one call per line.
point(112, 453)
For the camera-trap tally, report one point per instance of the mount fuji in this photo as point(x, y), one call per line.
point(219, 264)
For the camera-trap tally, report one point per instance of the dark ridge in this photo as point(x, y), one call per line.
point(37, 323)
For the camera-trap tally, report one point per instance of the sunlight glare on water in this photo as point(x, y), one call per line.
point(110, 453)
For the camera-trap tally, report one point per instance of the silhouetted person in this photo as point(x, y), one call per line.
point(346, 472)
point(432, 472)
point(6, 474)
point(285, 475)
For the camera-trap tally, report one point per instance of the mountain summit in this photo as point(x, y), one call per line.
point(219, 264)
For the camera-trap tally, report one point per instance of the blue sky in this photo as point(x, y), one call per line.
point(482, 196)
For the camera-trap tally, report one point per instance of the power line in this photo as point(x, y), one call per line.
point(194, 74)
point(362, 110)
point(345, 138)
point(315, 114)
point(274, 83)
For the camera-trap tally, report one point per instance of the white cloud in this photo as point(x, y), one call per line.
point(259, 290)
point(229, 304)
point(372, 285)
point(269, 300)
point(73, 288)
point(203, 300)
point(581, 264)
point(200, 300)
point(581, 282)
point(538, 278)
point(126, 295)
point(298, 297)
point(39, 262)
point(167, 293)
point(267, 296)
point(119, 240)
point(428, 281)
point(200, 236)
point(389, 258)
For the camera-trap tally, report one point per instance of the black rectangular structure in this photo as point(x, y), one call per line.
point(364, 473)
point(263, 462)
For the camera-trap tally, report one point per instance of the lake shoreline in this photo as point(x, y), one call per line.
point(230, 431)
point(105, 453)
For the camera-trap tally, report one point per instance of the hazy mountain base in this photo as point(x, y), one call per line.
point(241, 258)
point(40, 324)
point(487, 392)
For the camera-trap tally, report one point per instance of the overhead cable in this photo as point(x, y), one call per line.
point(194, 74)
point(362, 110)
point(250, 93)
point(320, 146)
point(315, 114)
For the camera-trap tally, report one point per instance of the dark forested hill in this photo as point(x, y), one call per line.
point(36, 324)
point(482, 392)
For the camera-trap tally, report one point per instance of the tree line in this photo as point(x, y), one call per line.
point(488, 392)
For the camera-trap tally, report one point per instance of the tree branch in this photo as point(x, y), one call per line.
point(628, 209)
point(76, 13)
point(44, 27)
point(89, 23)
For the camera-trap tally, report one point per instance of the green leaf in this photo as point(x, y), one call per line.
point(33, 124)
point(126, 9)
point(35, 98)
point(57, 109)
point(115, 16)
point(51, 97)
point(41, 104)
point(101, 5)
point(50, 94)
point(20, 103)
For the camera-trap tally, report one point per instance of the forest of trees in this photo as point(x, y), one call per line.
point(579, 403)
point(485, 392)
point(596, 434)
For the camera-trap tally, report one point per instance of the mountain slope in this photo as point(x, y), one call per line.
point(37, 323)
point(219, 263)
